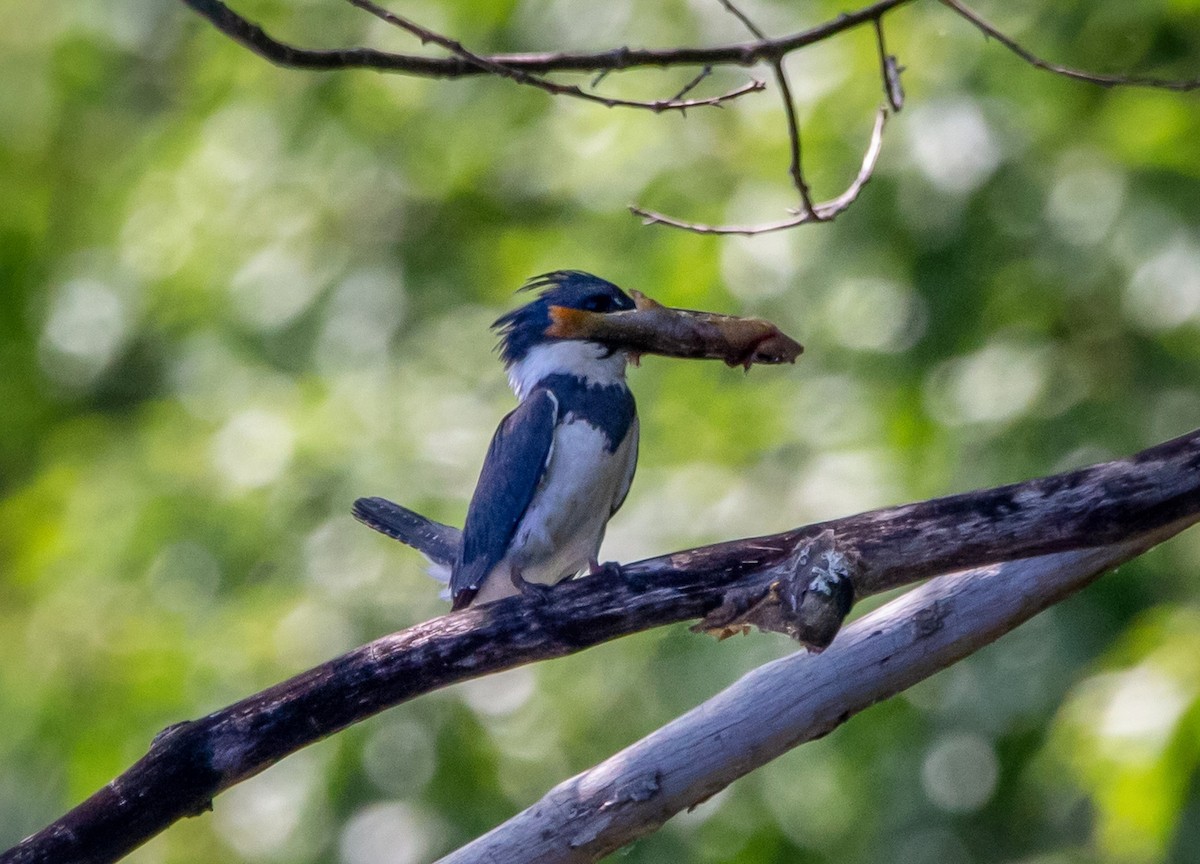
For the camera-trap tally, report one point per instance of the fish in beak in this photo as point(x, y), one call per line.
point(652, 328)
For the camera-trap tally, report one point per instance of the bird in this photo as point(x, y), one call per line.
point(561, 463)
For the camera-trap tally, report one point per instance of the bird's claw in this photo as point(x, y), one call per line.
point(611, 569)
point(535, 590)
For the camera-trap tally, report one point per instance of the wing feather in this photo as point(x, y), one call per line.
point(627, 481)
point(512, 470)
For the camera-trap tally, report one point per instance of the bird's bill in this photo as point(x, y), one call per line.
point(652, 328)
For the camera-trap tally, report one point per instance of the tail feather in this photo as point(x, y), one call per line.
point(439, 543)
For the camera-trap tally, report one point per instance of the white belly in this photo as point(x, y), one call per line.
point(560, 534)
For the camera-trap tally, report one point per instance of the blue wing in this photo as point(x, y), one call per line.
point(623, 491)
point(515, 463)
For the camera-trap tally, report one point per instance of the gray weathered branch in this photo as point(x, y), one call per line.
point(787, 703)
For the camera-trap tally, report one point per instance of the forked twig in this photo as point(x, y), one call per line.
point(520, 76)
point(689, 86)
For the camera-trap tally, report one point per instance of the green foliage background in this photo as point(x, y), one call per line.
point(234, 297)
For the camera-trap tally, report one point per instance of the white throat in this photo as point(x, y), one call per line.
point(587, 360)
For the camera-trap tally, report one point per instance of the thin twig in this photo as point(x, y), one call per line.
point(793, 125)
point(825, 211)
point(795, 169)
point(889, 70)
point(691, 85)
point(520, 76)
point(745, 19)
point(1181, 85)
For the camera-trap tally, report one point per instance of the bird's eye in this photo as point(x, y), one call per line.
point(598, 303)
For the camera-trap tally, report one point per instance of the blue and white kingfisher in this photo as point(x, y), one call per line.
point(561, 463)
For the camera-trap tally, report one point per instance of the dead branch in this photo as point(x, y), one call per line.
point(1118, 502)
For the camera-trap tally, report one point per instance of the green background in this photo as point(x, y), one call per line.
point(235, 297)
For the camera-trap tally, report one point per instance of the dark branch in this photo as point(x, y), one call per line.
point(1182, 85)
point(795, 169)
point(253, 37)
point(191, 762)
point(257, 40)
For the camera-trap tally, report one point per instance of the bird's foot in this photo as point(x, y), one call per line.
point(611, 569)
point(535, 590)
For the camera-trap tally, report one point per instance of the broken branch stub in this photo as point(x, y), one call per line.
point(808, 601)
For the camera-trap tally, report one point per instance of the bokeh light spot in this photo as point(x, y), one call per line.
point(959, 773)
point(952, 144)
point(1164, 291)
point(389, 833)
point(497, 695)
point(85, 329)
point(997, 384)
point(253, 448)
point(875, 315)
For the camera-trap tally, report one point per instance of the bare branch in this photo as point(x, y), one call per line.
point(1116, 502)
point(1182, 85)
point(784, 704)
point(825, 211)
point(530, 69)
point(253, 37)
point(520, 76)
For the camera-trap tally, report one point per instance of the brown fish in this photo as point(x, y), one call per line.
point(653, 328)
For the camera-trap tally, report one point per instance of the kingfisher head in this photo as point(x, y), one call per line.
point(524, 329)
point(582, 326)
